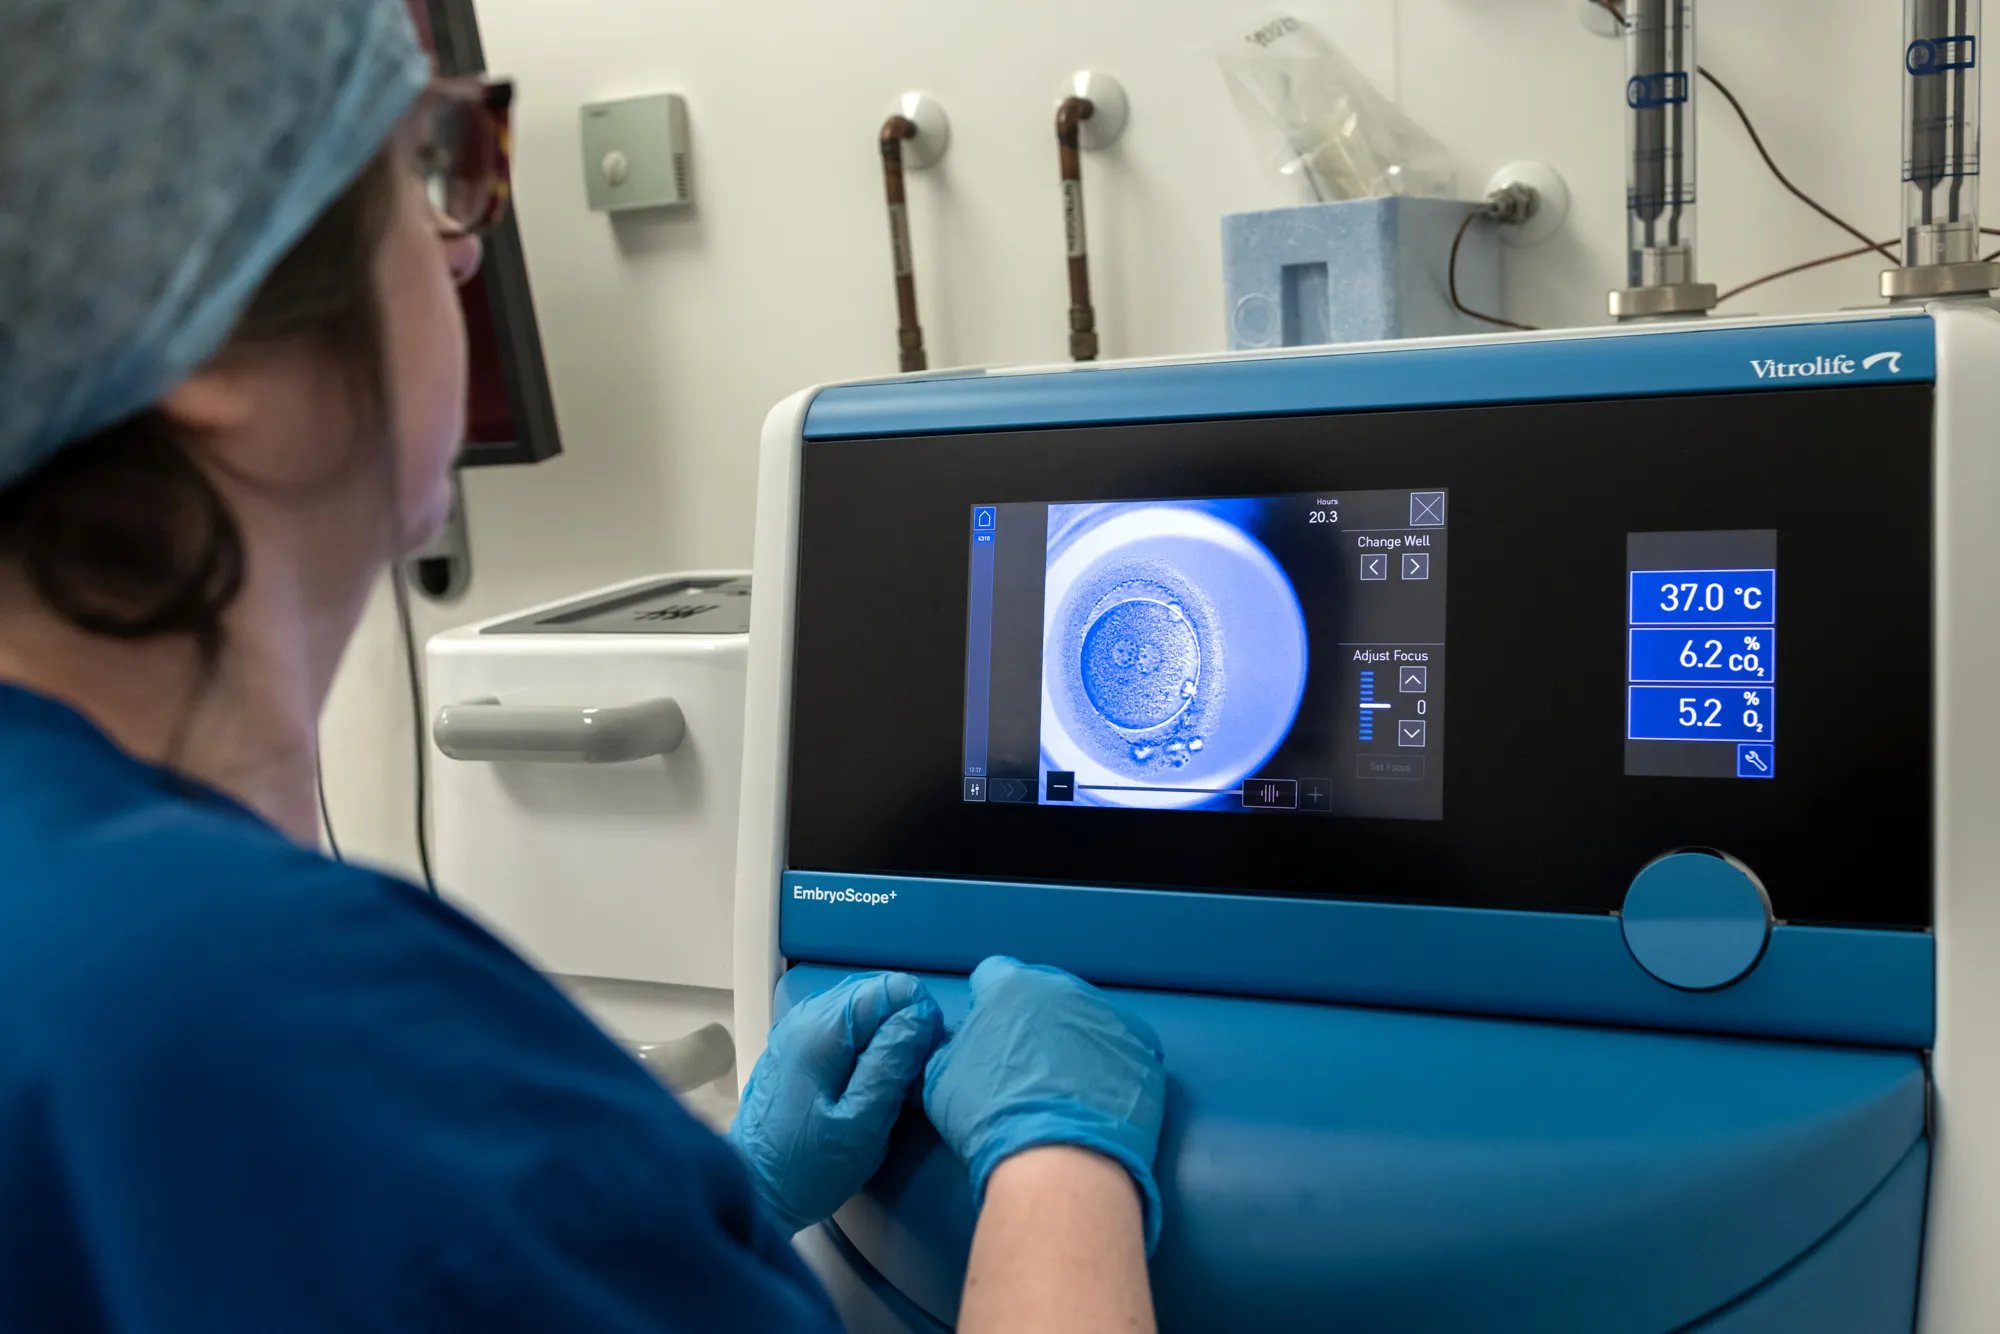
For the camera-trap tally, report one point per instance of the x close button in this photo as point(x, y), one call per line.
point(1426, 509)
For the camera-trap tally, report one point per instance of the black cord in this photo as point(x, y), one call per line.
point(1735, 292)
point(1757, 142)
point(1834, 259)
point(1451, 277)
point(402, 592)
point(325, 814)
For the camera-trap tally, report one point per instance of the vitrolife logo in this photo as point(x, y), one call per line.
point(1824, 368)
point(866, 898)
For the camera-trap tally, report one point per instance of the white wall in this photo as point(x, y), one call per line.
point(669, 336)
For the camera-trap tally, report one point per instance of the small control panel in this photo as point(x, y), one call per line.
point(1702, 655)
point(1392, 655)
point(636, 153)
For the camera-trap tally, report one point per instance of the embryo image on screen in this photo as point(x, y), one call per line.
point(1174, 651)
point(1272, 654)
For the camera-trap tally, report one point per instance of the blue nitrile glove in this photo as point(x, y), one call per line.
point(1044, 1058)
point(816, 1113)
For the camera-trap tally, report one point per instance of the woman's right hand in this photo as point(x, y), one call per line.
point(1044, 1058)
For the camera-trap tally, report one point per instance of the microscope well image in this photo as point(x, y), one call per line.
point(1174, 652)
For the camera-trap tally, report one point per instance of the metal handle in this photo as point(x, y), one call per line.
point(702, 1057)
point(557, 734)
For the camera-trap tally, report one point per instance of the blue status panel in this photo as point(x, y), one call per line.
point(1701, 634)
point(1697, 656)
point(1704, 597)
point(1689, 713)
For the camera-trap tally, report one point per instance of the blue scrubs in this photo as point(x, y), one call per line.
point(245, 1088)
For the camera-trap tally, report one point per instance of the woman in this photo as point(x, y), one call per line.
point(246, 1088)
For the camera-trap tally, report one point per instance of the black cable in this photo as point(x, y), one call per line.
point(1451, 277)
point(1757, 142)
point(1735, 292)
point(325, 815)
point(402, 592)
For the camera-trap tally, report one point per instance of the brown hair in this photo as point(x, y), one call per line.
point(123, 534)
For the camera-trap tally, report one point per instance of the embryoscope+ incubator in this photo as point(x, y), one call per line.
point(1532, 784)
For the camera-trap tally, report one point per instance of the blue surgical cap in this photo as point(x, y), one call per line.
point(157, 159)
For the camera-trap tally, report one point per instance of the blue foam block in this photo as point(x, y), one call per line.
point(1360, 270)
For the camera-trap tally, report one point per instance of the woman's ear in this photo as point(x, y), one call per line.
point(210, 401)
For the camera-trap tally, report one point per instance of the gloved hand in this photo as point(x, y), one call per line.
point(817, 1111)
point(1044, 1058)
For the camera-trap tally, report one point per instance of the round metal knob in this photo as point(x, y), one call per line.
point(1697, 920)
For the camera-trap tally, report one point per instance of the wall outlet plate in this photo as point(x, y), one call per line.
point(635, 153)
point(1551, 201)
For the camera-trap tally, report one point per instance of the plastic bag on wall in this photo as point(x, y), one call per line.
point(1323, 123)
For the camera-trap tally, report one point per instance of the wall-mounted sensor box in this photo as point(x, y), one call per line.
point(635, 153)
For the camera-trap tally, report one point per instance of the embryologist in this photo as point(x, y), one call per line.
point(246, 1087)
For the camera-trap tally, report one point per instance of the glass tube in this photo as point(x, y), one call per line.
point(1940, 132)
point(1659, 139)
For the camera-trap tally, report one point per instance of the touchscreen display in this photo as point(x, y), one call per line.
point(1273, 655)
point(1010, 642)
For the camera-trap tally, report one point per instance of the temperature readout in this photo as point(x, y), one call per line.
point(1704, 597)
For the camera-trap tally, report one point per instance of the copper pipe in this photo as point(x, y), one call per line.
point(1070, 116)
point(909, 333)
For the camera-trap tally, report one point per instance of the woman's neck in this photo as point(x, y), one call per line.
point(247, 724)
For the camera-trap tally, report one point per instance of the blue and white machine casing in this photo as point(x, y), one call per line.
point(1960, 1118)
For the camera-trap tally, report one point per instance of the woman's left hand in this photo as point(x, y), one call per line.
point(817, 1111)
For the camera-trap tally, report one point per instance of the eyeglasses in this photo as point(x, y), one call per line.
point(464, 145)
